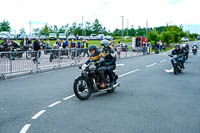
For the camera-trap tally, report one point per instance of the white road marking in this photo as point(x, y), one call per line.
point(162, 61)
point(54, 104)
point(38, 114)
point(169, 71)
point(67, 98)
point(128, 73)
point(119, 64)
point(25, 128)
point(150, 65)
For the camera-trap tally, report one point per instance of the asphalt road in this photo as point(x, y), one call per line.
point(149, 100)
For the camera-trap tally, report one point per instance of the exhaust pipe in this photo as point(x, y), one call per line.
point(114, 86)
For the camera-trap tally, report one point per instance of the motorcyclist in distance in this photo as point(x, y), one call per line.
point(185, 50)
point(178, 51)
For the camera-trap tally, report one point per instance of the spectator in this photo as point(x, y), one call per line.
point(112, 44)
point(65, 44)
point(72, 44)
point(36, 48)
point(157, 48)
point(85, 46)
point(79, 47)
point(79, 44)
point(148, 47)
point(29, 41)
point(160, 43)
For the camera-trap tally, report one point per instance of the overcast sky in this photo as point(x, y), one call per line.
point(60, 12)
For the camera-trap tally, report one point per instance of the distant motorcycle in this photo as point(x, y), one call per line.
point(89, 82)
point(176, 63)
point(194, 50)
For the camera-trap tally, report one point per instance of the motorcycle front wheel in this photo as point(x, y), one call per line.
point(175, 69)
point(28, 55)
point(81, 88)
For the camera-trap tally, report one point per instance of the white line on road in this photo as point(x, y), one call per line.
point(119, 64)
point(150, 65)
point(67, 98)
point(38, 114)
point(54, 104)
point(128, 73)
point(169, 71)
point(162, 61)
point(25, 128)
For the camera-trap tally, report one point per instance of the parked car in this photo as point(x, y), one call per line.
point(71, 36)
point(62, 36)
point(87, 37)
point(32, 37)
point(52, 36)
point(4, 35)
point(108, 37)
point(12, 36)
point(81, 37)
point(43, 37)
point(93, 37)
point(100, 37)
point(22, 36)
point(184, 39)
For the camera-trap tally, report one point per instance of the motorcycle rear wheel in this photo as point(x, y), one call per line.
point(81, 88)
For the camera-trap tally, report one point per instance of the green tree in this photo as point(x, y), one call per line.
point(167, 37)
point(97, 27)
point(132, 32)
point(153, 36)
point(141, 31)
point(45, 30)
point(22, 31)
point(36, 30)
point(117, 32)
point(5, 26)
point(64, 28)
point(88, 28)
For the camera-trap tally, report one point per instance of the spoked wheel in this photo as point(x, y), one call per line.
point(81, 88)
point(111, 85)
point(28, 55)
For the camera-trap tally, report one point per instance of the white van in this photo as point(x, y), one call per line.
point(93, 37)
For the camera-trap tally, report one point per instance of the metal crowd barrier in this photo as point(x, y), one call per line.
point(16, 62)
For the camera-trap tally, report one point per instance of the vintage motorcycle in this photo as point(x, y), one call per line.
point(89, 81)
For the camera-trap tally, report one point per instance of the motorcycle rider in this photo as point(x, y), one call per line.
point(194, 47)
point(178, 51)
point(97, 56)
point(109, 63)
point(185, 50)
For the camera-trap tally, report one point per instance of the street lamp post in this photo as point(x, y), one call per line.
point(82, 25)
point(127, 27)
point(122, 28)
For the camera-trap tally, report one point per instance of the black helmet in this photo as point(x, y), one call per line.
point(177, 47)
point(104, 43)
point(93, 47)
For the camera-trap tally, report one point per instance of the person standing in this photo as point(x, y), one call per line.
point(85, 46)
point(36, 48)
point(160, 43)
